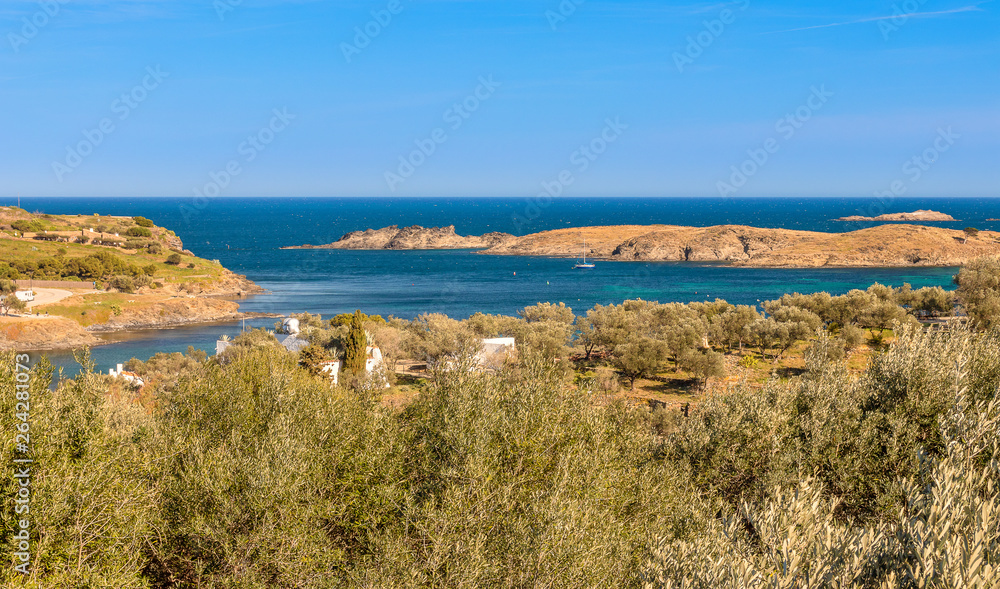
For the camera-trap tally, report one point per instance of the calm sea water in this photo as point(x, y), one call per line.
point(246, 236)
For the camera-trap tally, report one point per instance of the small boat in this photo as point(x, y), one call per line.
point(584, 265)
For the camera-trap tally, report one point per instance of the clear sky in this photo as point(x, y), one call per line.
point(160, 97)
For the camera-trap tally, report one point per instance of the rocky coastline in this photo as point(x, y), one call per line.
point(738, 245)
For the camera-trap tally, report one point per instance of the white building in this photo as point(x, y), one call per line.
point(373, 362)
point(292, 343)
point(129, 377)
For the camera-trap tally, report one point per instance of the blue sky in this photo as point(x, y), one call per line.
point(579, 98)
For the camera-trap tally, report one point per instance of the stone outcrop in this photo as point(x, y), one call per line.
point(412, 238)
point(915, 216)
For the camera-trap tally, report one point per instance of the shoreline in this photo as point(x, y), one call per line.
point(104, 337)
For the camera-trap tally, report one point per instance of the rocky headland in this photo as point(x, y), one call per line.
point(169, 286)
point(412, 238)
point(915, 216)
point(738, 245)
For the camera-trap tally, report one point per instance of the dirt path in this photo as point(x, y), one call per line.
point(47, 296)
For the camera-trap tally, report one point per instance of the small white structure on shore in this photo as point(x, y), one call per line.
point(127, 376)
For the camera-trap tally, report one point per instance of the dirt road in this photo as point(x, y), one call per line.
point(47, 296)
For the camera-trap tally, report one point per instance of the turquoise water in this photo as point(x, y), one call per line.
point(246, 236)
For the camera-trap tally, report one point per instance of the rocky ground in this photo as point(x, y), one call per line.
point(42, 333)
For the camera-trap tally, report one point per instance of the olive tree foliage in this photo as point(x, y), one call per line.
point(516, 478)
point(778, 336)
point(979, 291)
point(273, 479)
point(605, 326)
point(92, 509)
point(639, 357)
point(441, 341)
point(559, 313)
point(731, 329)
point(947, 536)
point(932, 301)
point(858, 435)
point(703, 364)
point(680, 327)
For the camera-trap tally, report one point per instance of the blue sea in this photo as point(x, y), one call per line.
point(246, 235)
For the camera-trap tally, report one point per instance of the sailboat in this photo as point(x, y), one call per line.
point(584, 264)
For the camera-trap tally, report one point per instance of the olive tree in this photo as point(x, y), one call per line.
point(703, 364)
point(638, 357)
point(979, 291)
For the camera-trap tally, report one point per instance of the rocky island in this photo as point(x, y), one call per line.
point(915, 216)
point(94, 274)
point(738, 245)
point(414, 237)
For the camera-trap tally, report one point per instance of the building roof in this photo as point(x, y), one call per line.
point(294, 344)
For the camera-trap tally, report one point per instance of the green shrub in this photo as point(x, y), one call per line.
point(174, 259)
point(27, 226)
point(122, 283)
point(142, 221)
point(138, 232)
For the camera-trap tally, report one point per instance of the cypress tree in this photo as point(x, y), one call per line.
point(355, 348)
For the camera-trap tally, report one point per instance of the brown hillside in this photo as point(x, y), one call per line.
point(883, 246)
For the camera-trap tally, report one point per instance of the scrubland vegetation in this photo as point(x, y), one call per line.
point(249, 470)
point(120, 253)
